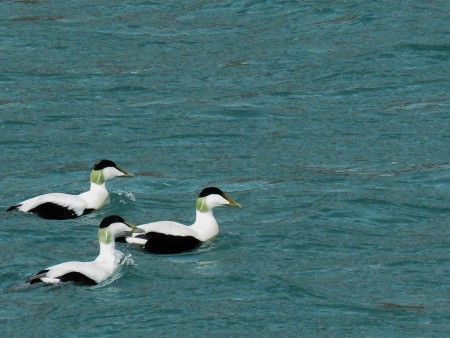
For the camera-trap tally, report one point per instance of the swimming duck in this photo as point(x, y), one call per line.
point(95, 272)
point(166, 237)
point(65, 206)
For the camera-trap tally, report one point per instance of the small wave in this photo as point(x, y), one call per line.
point(22, 286)
point(125, 197)
point(127, 194)
point(125, 261)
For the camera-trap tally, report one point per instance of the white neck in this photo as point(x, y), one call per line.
point(107, 249)
point(205, 225)
point(96, 196)
point(107, 256)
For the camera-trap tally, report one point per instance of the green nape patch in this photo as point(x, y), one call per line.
point(97, 177)
point(201, 204)
point(105, 236)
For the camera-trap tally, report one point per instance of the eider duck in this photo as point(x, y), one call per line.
point(166, 237)
point(95, 272)
point(65, 206)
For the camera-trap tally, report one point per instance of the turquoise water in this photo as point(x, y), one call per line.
point(328, 121)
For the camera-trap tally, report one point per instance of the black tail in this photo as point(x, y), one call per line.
point(14, 207)
point(37, 277)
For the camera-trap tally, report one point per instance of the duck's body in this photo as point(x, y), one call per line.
point(87, 273)
point(65, 206)
point(171, 237)
point(97, 271)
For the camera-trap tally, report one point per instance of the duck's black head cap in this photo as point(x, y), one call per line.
point(102, 164)
point(108, 220)
point(210, 191)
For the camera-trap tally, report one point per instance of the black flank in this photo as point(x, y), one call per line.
point(87, 211)
point(50, 210)
point(78, 278)
point(168, 244)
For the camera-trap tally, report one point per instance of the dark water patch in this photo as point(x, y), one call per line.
point(239, 112)
point(402, 307)
point(39, 18)
point(12, 123)
point(413, 264)
point(427, 47)
point(128, 89)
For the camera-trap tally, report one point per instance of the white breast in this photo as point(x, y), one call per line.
point(95, 197)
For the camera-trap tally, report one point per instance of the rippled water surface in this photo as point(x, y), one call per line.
point(328, 121)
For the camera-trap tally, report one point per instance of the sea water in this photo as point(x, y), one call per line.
point(328, 121)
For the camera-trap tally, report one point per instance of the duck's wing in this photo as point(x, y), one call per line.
point(87, 273)
point(54, 206)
